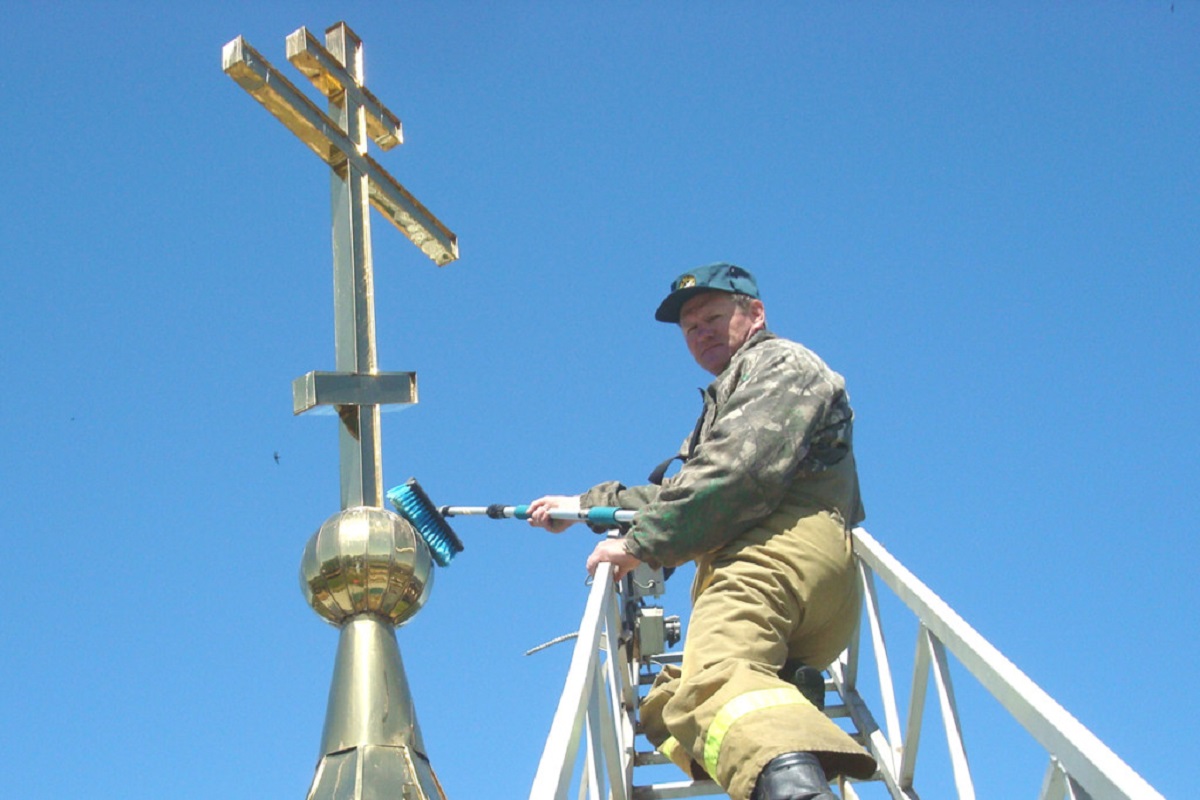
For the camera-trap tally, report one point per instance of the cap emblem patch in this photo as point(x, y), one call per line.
point(686, 281)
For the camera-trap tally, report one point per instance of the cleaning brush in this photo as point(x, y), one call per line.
point(414, 505)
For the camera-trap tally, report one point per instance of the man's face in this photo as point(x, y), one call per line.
point(715, 327)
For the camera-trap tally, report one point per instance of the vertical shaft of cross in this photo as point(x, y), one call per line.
point(359, 442)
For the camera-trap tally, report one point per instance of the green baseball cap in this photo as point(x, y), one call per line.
point(719, 277)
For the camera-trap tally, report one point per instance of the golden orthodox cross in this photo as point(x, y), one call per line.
point(340, 138)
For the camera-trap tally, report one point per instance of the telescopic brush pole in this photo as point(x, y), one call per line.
point(599, 515)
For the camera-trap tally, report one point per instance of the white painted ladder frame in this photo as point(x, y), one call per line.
point(599, 703)
point(1080, 766)
point(594, 702)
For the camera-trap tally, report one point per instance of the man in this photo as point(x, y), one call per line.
point(763, 503)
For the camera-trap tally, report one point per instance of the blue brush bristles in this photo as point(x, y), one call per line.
point(414, 505)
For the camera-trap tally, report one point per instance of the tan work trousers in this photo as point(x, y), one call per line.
point(785, 590)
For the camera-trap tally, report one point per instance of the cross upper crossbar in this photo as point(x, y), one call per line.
point(326, 138)
point(331, 78)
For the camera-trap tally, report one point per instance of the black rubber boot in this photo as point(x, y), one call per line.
point(809, 680)
point(793, 776)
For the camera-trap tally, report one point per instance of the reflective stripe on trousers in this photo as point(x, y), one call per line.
point(737, 708)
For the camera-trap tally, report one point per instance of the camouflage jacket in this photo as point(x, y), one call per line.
point(776, 427)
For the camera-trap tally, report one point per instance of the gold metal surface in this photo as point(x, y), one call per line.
point(336, 388)
point(366, 569)
point(366, 560)
point(287, 103)
point(371, 747)
point(332, 80)
point(328, 140)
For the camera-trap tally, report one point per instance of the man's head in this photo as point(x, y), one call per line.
point(718, 309)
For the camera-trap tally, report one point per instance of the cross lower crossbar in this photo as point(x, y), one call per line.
point(344, 388)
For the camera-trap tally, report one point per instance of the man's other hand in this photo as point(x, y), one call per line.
point(613, 551)
point(539, 512)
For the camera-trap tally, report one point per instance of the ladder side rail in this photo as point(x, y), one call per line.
point(1054, 783)
point(1088, 762)
point(887, 688)
point(844, 681)
point(557, 763)
point(1075, 791)
point(590, 782)
point(619, 681)
point(597, 741)
point(872, 735)
point(887, 747)
point(605, 727)
point(954, 734)
point(849, 657)
point(916, 709)
point(1057, 784)
point(618, 715)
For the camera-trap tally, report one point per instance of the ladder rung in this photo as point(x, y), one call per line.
point(837, 711)
point(649, 758)
point(669, 791)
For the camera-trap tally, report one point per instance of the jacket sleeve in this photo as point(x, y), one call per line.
point(738, 475)
point(617, 494)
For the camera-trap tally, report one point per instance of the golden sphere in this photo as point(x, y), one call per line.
point(366, 560)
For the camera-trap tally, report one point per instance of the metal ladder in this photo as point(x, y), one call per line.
point(623, 640)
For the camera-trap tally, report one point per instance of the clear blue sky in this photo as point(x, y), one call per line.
point(985, 218)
